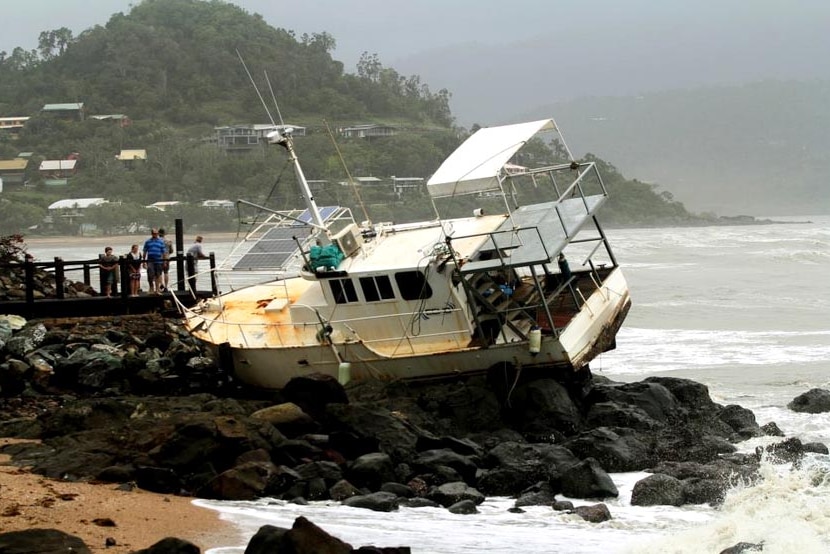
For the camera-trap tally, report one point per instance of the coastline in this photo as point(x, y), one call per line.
point(120, 241)
point(141, 518)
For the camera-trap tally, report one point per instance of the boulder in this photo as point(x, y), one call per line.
point(650, 398)
point(616, 449)
point(741, 420)
point(451, 493)
point(289, 418)
point(171, 545)
point(376, 501)
point(513, 467)
point(428, 461)
point(814, 401)
point(313, 392)
point(596, 513)
point(463, 507)
point(543, 408)
point(41, 541)
point(586, 479)
point(657, 490)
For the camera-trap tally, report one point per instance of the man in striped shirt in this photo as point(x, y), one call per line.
point(154, 251)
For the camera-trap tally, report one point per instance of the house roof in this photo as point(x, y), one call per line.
point(161, 206)
point(72, 106)
point(132, 155)
point(17, 164)
point(16, 118)
point(76, 203)
point(57, 165)
point(115, 116)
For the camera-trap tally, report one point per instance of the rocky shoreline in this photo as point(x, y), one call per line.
point(135, 401)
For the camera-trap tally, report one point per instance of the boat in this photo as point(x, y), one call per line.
point(528, 285)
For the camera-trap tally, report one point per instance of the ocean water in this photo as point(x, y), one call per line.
point(744, 310)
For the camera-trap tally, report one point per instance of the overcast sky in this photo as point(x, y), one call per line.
point(473, 45)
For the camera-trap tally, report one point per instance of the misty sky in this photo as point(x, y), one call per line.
point(474, 47)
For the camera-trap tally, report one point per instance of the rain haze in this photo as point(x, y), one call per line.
point(505, 60)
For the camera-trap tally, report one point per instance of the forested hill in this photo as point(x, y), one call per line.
point(176, 61)
point(173, 67)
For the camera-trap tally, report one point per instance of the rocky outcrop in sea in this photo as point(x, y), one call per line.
point(134, 400)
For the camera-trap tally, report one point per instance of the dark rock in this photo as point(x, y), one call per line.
point(657, 490)
point(371, 470)
point(464, 447)
point(613, 414)
point(303, 538)
point(562, 505)
point(587, 479)
point(418, 503)
point(342, 490)
point(596, 513)
point(431, 459)
point(692, 396)
point(744, 547)
point(41, 541)
point(541, 494)
point(615, 449)
point(741, 420)
point(313, 392)
point(158, 479)
point(542, 408)
point(816, 448)
point(376, 501)
point(516, 466)
point(390, 434)
point(171, 545)
point(450, 493)
point(814, 401)
point(771, 429)
point(652, 399)
point(398, 489)
point(788, 450)
point(289, 418)
point(245, 482)
point(463, 507)
point(704, 491)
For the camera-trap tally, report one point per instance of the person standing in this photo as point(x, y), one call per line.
point(196, 253)
point(154, 249)
point(109, 270)
point(168, 250)
point(134, 260)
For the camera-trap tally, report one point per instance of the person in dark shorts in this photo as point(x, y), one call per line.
point(168, 250)
point(154, 249)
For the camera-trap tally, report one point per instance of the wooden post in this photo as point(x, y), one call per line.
point(124, 272)
point(29, 274)
point(60, 278)
point(100, 276)
point(180, 270)
point(87, 275)
point(190, 265)
point(213, 286)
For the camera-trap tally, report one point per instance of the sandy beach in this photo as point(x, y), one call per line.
point(140, 518)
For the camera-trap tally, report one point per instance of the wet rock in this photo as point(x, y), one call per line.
point(743, 547)
point(313, 392)
point(741, 420)
point(289, 418)
point(616, 449)
point(543, 408)
point(513, 467)
point(463, 507)
point(771, 429)
point(430, 460)
point(541, 494)
point(816, 448)
point(657, 490)
point(596, 513)
point(247, 481)
point(171, 545)
point(587, 479)
point(451, 493)
point(371, 470)
point(376, 501)
point(814, 401)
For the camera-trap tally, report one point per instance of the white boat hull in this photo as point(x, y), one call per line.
point(588, 334)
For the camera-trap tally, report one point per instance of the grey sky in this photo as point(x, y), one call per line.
point(475, 47)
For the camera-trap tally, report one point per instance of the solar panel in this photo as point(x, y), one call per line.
point(277, 245)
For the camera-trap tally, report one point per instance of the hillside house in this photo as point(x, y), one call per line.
point(129, 158)
point(240, 138)
point(403, 185)
point(220, 204)
point(370, 130)
point(72, 111)
point(13, 125)
point(13, 172)
point(117, 119)
point(163, 205)
point(57, 172)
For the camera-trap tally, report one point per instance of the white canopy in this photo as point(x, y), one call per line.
point(476, 164)
point(78, 203)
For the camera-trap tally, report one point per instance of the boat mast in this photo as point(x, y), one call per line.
point(284, 139)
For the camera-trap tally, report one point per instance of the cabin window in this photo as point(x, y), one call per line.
point(377, 288)
point(343, 290)
point(413, 285)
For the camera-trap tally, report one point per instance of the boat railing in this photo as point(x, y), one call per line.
point(280, 330)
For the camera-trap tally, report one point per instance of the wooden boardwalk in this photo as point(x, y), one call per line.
point(33, 305)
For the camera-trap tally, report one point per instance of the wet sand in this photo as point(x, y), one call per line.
point(141, 518)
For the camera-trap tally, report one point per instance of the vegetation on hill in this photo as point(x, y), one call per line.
point(173, 67)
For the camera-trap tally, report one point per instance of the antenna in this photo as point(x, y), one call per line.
point(348, 174)
point(255, 87)
point(273, 97)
